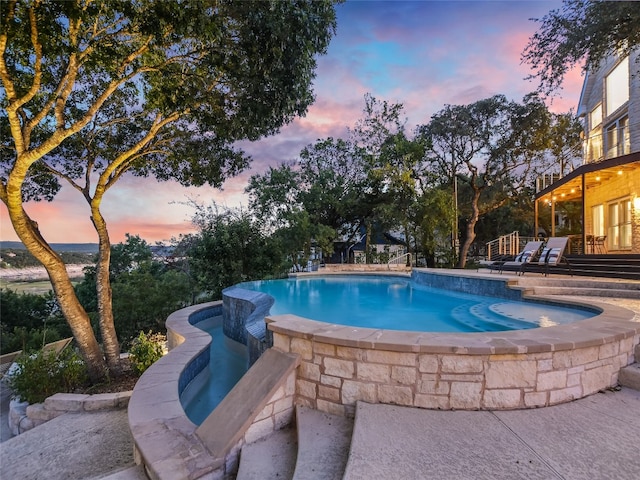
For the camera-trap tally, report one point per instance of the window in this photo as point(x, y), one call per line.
point(597, 214)
point(619, 232)
point(617, 86)
point(594, 145)
point(617, 138)
point(595, 117)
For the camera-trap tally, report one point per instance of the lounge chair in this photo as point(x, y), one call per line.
point(528, 254)
point(58, 346)
point(553, 255)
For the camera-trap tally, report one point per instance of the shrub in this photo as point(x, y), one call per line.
point(145, 350)
point(43, 374)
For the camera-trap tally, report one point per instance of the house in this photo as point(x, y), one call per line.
point(598, 204)
point(383, 247)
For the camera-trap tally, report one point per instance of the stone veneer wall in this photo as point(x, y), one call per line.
point(333, 377)
point(494, 370)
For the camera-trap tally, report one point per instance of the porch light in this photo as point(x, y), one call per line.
point(636, 204)
point(619, 172)
point(598, 178)
point(573, 190)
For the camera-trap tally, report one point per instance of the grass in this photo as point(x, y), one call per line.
point(39, 287)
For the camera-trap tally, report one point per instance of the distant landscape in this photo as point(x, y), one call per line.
point(58, 247)
point(18, 266)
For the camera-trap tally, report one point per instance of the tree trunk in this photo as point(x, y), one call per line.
point(406, 239)
point(471, 228)
point(74, 313)
point(110, 342)
point(367, 244)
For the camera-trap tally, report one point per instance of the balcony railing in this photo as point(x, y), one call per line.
point(614, 142)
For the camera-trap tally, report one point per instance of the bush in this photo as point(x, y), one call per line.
point(145, 350)
point(43, 374)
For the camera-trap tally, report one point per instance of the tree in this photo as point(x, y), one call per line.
point(93, 90)
point(493, 147)
point(145, 291)
point(314, 199)
point(581, 31)
point(29, 321)
point(231, 247)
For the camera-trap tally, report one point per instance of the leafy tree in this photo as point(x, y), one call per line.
point(306, 204)
point(231, 247)
point(431, 219)
point(493, 147)
point(93, 90)
point(29, 321)
point(581, 31)
point(145, 291)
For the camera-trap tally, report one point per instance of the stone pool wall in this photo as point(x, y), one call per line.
point(243, 319)
point(337, 365)
point(494, 370)
point(336, 372)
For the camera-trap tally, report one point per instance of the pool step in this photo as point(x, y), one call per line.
point(481, 318)
point(630, 375)
point(587, 291)
point(583, 286)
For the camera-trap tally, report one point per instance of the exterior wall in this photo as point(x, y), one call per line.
point(594, 93)
point(634, 101)
point(615, 188)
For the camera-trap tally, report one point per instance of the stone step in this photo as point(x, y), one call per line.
point(128, 473)
point(630, 376)
point(588, 282)
point(323, 445)
point(586, 291)
point(271, 458)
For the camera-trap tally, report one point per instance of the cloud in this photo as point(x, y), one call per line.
point(423, 54)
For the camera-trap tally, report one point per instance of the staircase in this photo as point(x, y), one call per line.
point(630, 375)
point(593, 287)
point(611, 266)
point(317, 449)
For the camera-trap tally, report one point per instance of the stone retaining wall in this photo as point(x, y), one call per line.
point(333, 377)
point(23, 417)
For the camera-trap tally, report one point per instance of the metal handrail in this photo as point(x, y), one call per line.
point(505, 245)
point(394, 260)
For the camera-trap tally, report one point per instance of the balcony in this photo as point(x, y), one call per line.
point(614, 142)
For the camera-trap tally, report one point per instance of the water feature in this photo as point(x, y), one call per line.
point(227, 364)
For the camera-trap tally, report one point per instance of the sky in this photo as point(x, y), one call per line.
point(422, 54)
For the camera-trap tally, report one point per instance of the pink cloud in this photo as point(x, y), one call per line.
point(421, 54)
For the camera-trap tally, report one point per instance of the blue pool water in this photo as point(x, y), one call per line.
point(395, 303)
point(227, 364)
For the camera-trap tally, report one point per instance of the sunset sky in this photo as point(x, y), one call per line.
point(423, 54)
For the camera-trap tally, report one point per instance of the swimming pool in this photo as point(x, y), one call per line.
point(396, 303)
